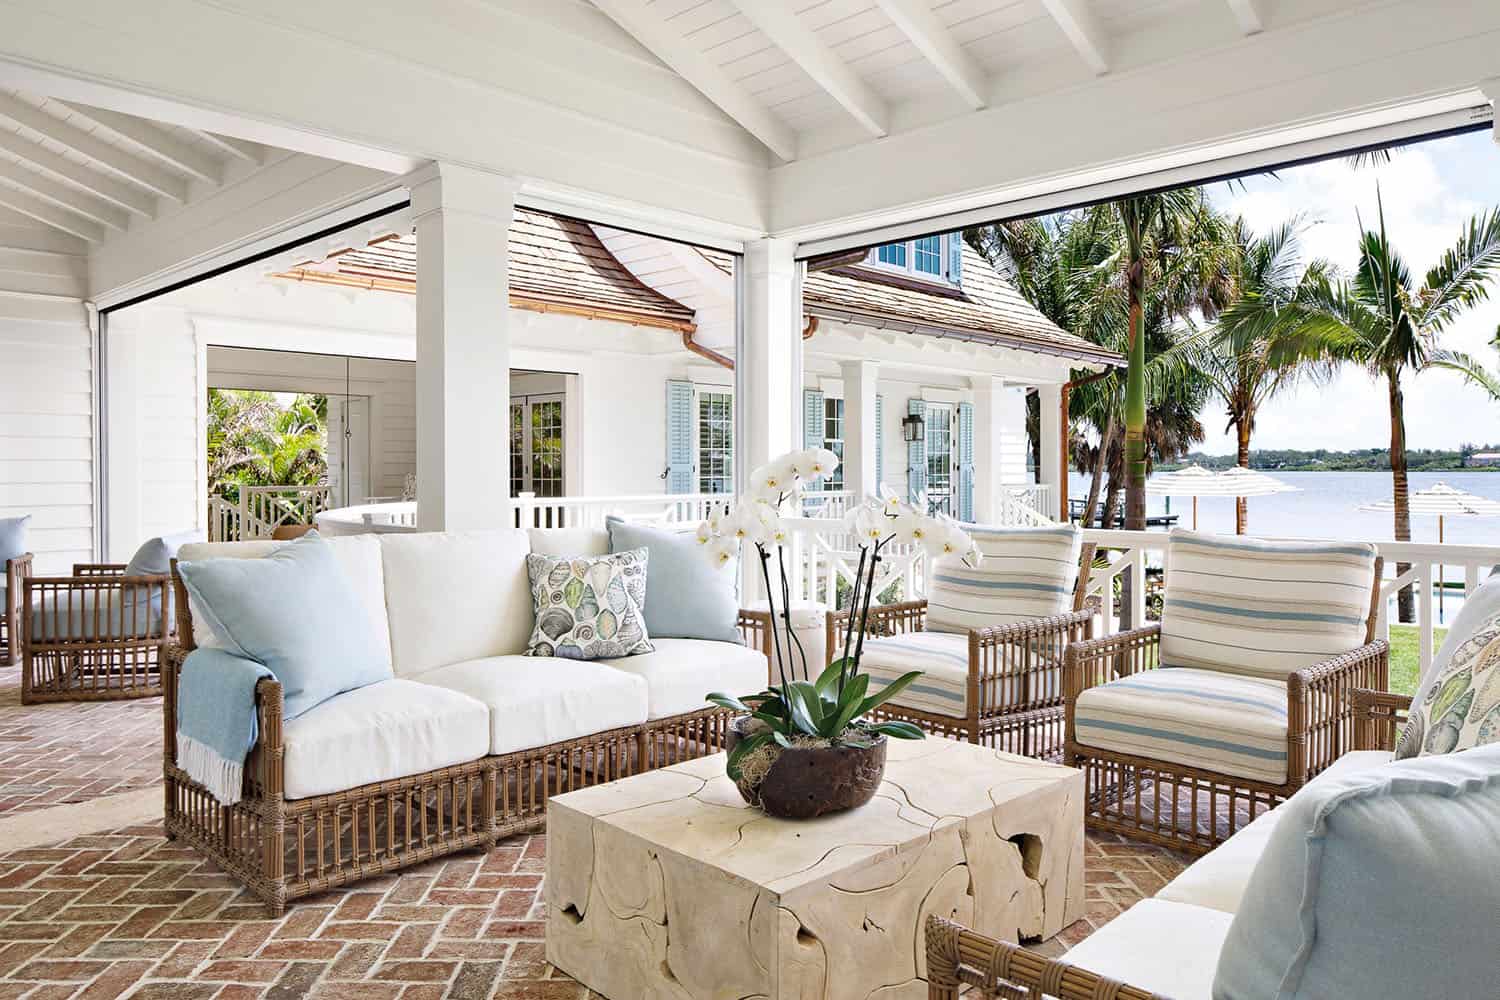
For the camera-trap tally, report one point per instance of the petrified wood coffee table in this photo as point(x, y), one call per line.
point(666, 885)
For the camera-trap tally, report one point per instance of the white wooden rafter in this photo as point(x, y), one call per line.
point(240, 149)
point(1082, 29)
point(133, 168)
point(51, 214)
point(158, 142)
point(778, 21)
point(63, 196)
point(661, 40)
point(127, 196)
point(1249, 14)
point(926, 31)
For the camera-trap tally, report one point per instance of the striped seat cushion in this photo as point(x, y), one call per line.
point(943, 688)
point(1263, 608)
point(1026, 573)
point(1208, 719)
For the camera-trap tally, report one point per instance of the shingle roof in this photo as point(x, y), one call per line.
point(554, 262)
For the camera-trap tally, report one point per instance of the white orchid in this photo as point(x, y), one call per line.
point(722, 550)
point(816, 463)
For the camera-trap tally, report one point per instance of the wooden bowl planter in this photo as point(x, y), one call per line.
point(803, 782)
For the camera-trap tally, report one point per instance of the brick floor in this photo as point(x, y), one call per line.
point(73, 751)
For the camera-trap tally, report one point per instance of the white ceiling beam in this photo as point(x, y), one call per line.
point(1083, 31)
point(64, 196)
point(1249, 14)
point(250, 152)
point(662, 41)
point(927, 32)
point(50, 214)
point(132, 168)
point(127, 196)
point(155, 141)
point(778, 21)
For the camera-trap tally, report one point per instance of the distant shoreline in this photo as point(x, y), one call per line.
point(1174, 466)
point(1359, 460)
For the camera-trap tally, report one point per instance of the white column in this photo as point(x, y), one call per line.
point(989, 473)
point(768, 371)
point(463, 346)
point(860, 433)
point(1052, 473)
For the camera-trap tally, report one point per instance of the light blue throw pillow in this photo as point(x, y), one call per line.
point(12, 539)
point(154, 558)
point(295, 612)
point(687, 596)
point(1380, 883)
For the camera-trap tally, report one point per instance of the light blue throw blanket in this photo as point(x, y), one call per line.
point(216, 719)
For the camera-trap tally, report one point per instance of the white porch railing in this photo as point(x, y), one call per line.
point(532, 511)
point(1025, 504)
point(262, 509)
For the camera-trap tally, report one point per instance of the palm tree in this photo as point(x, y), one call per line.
point(1384, 321)
point(1471, 368)
point(253, 440)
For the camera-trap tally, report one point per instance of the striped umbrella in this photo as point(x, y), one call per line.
point(1441, 501)
point(1196, 481)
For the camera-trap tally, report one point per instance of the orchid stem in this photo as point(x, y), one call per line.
point(786, 616)
point(859, 579)
point(765, 573)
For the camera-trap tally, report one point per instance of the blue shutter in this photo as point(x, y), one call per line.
point(812, 418)
point(916, 456)
point(966, 462)
point(956, 257)
point(679, 436)
point(879, 442)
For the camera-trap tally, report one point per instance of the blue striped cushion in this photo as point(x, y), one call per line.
point(943, 658)
point(1026, 573)
point(1201, 718)
point(1263, 608)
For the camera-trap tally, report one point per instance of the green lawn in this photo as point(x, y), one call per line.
point(1404, 664)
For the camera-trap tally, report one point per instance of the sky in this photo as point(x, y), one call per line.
point(1430, 192)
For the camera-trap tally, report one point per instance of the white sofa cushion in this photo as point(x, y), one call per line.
point(1202, 718)
point(455, 596)
point(1217, 880)
point(382, 731)
point(359, 555)
point(1167, 948)
point(682, 672)
point(537, 700)
point(569, 541)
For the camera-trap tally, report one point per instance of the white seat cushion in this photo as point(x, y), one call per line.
point(943, 658)
point(1221, 722)
point(537, 700)
point(382, 731)
point(1218, 879)
point(682, 672)
point(456, 596)
point(1167, 948)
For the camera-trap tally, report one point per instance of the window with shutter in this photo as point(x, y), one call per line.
point(965, 461)
point(916, 456)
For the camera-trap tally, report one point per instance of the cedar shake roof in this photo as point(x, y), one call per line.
point(556, 265)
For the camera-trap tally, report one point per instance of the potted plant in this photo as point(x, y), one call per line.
point(807, 745)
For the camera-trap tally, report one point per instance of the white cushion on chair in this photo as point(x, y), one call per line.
point(456, 596)
point(1026, 573)
point(1220, 722)
point(943, 658)
point(1171, 949)
point(682, 672)
point(537, 700)
point(382, 731)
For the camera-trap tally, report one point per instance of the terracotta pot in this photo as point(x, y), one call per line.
point(812, 781)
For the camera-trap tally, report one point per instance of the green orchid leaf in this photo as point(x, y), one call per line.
point(899, 730)
point(728, 701)
point(802, 714)
point(828, 681)
point(890, 691)
point(854, 697)
point(781, 738)
point(732, 766)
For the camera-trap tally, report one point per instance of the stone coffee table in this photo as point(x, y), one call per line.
point(666, 885)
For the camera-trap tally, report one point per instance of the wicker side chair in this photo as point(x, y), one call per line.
point(1195, 802)
point(961, 959)
point(1001, 686)
point(12, 584)
point(96, 635)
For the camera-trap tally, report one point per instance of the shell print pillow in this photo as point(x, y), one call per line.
point(589, 607)
point(1462, 707)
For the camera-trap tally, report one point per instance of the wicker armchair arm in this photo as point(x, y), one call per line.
point(1320, 719)
point(1099, 661)
point(885, 619)
point(958, 957)
point(1379, 717)
point(755, 629)
point(263, 767)
point(99, 569)
point(1000, 635)
point(17, 570)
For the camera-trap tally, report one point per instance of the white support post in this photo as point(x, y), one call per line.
point(770, 370)
point(462, 221)
point(989, 473)
point(1051, 474)
point(860, 432)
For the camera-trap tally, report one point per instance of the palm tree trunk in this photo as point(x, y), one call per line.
point(1242, 459)
point(1101, 462)
point(1400, 491)
point(1135, 402)
point(1111, 504)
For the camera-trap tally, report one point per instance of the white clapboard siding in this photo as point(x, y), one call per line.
point(1013, 441)
point(395, 450)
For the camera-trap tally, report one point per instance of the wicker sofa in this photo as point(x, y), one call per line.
point(13, 573)
point(467, 740)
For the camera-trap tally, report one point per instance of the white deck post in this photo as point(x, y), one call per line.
point(463, 346)
point(770, 372)
point(989, 472)
point(860, 432)
point(1052, 473)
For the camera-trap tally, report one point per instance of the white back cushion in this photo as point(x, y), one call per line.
point(359, 555)
point(1026, 573)
point(569, 541)
point(454, 596)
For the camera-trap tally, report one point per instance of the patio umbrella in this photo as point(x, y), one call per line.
point(1196, 481)
point(1443, 501)
point(1193, 481)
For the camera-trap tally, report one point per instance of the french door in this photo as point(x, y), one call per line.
point(537, 445)
point(940, 458)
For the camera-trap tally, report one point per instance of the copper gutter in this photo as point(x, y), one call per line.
point(704, 352)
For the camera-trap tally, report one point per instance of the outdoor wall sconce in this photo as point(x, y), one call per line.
point(913, 428)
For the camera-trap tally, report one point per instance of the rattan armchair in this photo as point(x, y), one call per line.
point(1014, 700)
point(15, 572)
point(1196, 808)
point(96, 635)
point(961, 959)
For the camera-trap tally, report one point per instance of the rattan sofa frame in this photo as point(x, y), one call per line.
point(283, 849)
point(17, 569)
point(1010, 703)
point(1161, 802)
point(108, 664)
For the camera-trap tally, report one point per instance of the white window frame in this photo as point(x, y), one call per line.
point(943, 276)
point(835, 482)
point(699, 390)
point(951, 492)
point(528, 453)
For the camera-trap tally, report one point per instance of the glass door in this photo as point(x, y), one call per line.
point(715, 413)
point(940, 455)
point(536, 446)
